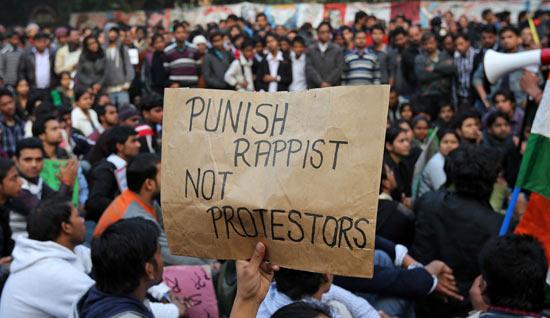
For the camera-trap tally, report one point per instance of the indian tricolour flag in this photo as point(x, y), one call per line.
point(534, 175)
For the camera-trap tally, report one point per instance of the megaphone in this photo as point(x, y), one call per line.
point(498, 64)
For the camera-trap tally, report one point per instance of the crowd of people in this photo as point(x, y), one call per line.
point(81, 229)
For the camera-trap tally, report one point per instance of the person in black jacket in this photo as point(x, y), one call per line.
point(274, 73)
point(215, 63)
point(108, 178)
point(453, 225)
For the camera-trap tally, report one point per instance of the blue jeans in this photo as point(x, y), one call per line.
point(392, 306)
point(119, 98)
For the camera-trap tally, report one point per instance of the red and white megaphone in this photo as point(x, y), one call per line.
point(498, 64)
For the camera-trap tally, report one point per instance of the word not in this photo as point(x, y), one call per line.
point(268, 153)
point(205, 179)
point(282, 225)
point(271, 117)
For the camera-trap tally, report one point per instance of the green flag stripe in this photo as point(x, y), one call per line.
point(534, 174)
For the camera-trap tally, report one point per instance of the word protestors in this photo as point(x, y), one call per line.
point(298, 171)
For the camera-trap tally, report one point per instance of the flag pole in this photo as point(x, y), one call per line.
point(509, 212)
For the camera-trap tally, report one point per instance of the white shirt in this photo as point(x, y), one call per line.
point(273, 69)
point(42, 68)
point(323, 47)
point(298, 73)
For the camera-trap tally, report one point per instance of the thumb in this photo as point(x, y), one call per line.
point(258, 255)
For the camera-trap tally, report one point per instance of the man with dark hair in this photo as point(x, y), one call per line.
point(140, 200)
point(120, 70)
point(29, 159)
point(378, 34)
point(261, 27)
point(149, 130)
point(324, 60)
point(108, 177)
point(513, 277)
point(464, 60)
point(107, 115)
point(66, 57)
point(182, 61)
point(467, 125)
point(499, 137)
point(48, 130)
point(49, 268)
point(9, 58)
point(126, 261)
point(294, 285)
point(452, 226)
point(480, 83)
point(400, 39)
point(12, 127)
point(298, 59)
point(362, 66)
point(36, 64)
point(215, 63)
point(434, 70)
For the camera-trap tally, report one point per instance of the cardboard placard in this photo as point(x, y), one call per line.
point(298, 171)
point(193, 286)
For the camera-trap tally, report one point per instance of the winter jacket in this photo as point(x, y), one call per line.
point(453, 228)
point(284, 71)
point(9, 61)
point(90, 71)
point(435, 78)
point(324, 67)
point(239, 70)
point(27, 65)
point(66, 60)
point(46, 279)
point(214, 66)
point(103, 189)
point(97, 304)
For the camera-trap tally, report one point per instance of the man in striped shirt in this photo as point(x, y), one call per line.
point(182, 62)
point(362, 66)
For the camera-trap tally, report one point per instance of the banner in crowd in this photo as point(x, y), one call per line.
point(296, 170)
point(295, 15)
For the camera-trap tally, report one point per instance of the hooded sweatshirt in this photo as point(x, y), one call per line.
point(98, 304)
point(46, 279)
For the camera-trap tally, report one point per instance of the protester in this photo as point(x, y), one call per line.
point(324, 60)
point(433, 175)
point(452, 226)
point(10, 185)
point(149, 129)
point(362, 65)
point(275, 71)
point(298, 58)
point(92, 64)
point(13, 128)
point(239, 74)
point(512, 281)
point(9, 59)
point(467, 125)
point(36, 64)
point(48, 272)
point(48, 130)
point(83, 117)
point(108, 177)
point(67, 56)
point(182, 74)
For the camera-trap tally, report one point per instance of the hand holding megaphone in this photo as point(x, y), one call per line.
point(498, 64)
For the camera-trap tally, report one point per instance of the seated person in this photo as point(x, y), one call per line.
point(127, 262)
point(139, 200)
point(452, 226)
point(49, 268)
point(395, 221)
point(29, 159)
point(513, 278)
point(108, 177)
point(294, 285)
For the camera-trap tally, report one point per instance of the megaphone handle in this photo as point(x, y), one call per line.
point(545, 56)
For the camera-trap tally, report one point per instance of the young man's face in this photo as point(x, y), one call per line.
point(155, 268)
point(360, 40)
point(323, 33)
point(180, 34)
point(154, 116)
point(159, 44)
point(503, 104)
point(488, 39)
point(377, 36)
point(272, 44)
point(298, 48)
point(131, 146)
point(7, 106)
point(248, 52)
point(217, 42)
point(113, 35)
point(462, 46)
point(110, 118)
point(500, 129)
point(30, 162)
point(509, 40)
point(261, 21)
point(11, 184)
point(41, 44)
point(77, 227)
point(52, 133)
point(132, 121)
point(430, 46)
point(446, 114)
point(470, 129)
